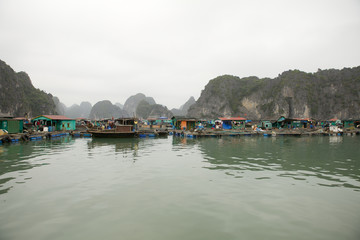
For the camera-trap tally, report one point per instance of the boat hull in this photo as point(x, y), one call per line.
point(108, 134)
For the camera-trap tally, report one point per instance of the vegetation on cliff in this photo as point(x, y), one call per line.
point(18, 96)
point(321, 95)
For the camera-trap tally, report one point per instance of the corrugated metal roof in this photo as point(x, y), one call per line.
point(55, 117)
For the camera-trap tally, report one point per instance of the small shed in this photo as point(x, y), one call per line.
point(233, 122)
point(12, 125)
point(54, 122)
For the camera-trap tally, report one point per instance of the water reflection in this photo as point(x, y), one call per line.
point(332, 162)
point(178, 142)
point(17, 159)
point(119, 146)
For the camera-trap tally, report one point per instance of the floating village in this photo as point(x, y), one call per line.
point(42, 127)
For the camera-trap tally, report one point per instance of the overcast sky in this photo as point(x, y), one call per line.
point(82, 50)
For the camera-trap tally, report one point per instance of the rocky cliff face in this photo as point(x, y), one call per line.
point(183, 110)
point(322, 95)
point(18, 96)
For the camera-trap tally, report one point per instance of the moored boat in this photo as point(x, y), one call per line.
point(124, 128)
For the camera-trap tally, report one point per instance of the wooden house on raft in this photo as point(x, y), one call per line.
point(288, 123)
point(159, 122)
point(54, 123)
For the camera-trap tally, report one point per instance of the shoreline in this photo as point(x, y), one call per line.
point(37, 136)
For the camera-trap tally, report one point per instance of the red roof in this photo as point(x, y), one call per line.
point(232, 119)
point(333, 120)
point(56, 117)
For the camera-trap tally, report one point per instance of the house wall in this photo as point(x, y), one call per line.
point(266, 124)
point(349, 124)
point(227, 125)
point(67, 125)
point(4, 124)
point(190, 125)
point(183, 125)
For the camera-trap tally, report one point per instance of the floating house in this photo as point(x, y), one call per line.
point(159, 122)
point(284, 122)
point(54, 122)
point(11, 125)
point(183, 123)
point(306, 122)
point(233, 122)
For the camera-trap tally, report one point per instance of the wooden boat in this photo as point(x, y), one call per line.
point(124, 128)
point(111, 133)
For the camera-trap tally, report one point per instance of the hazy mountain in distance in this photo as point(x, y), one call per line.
point(106, 110)
point(79, 111)
point(132, 102)
point(183, 110)
point(85, 108)
point(145, 110)
point(119, 105)
point(60, 107)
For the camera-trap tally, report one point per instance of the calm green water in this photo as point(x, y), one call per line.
point(172, 188)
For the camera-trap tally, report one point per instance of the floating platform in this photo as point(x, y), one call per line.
point(144, 133)
point(231, 133)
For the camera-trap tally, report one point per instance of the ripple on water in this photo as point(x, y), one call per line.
point(281, 186)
